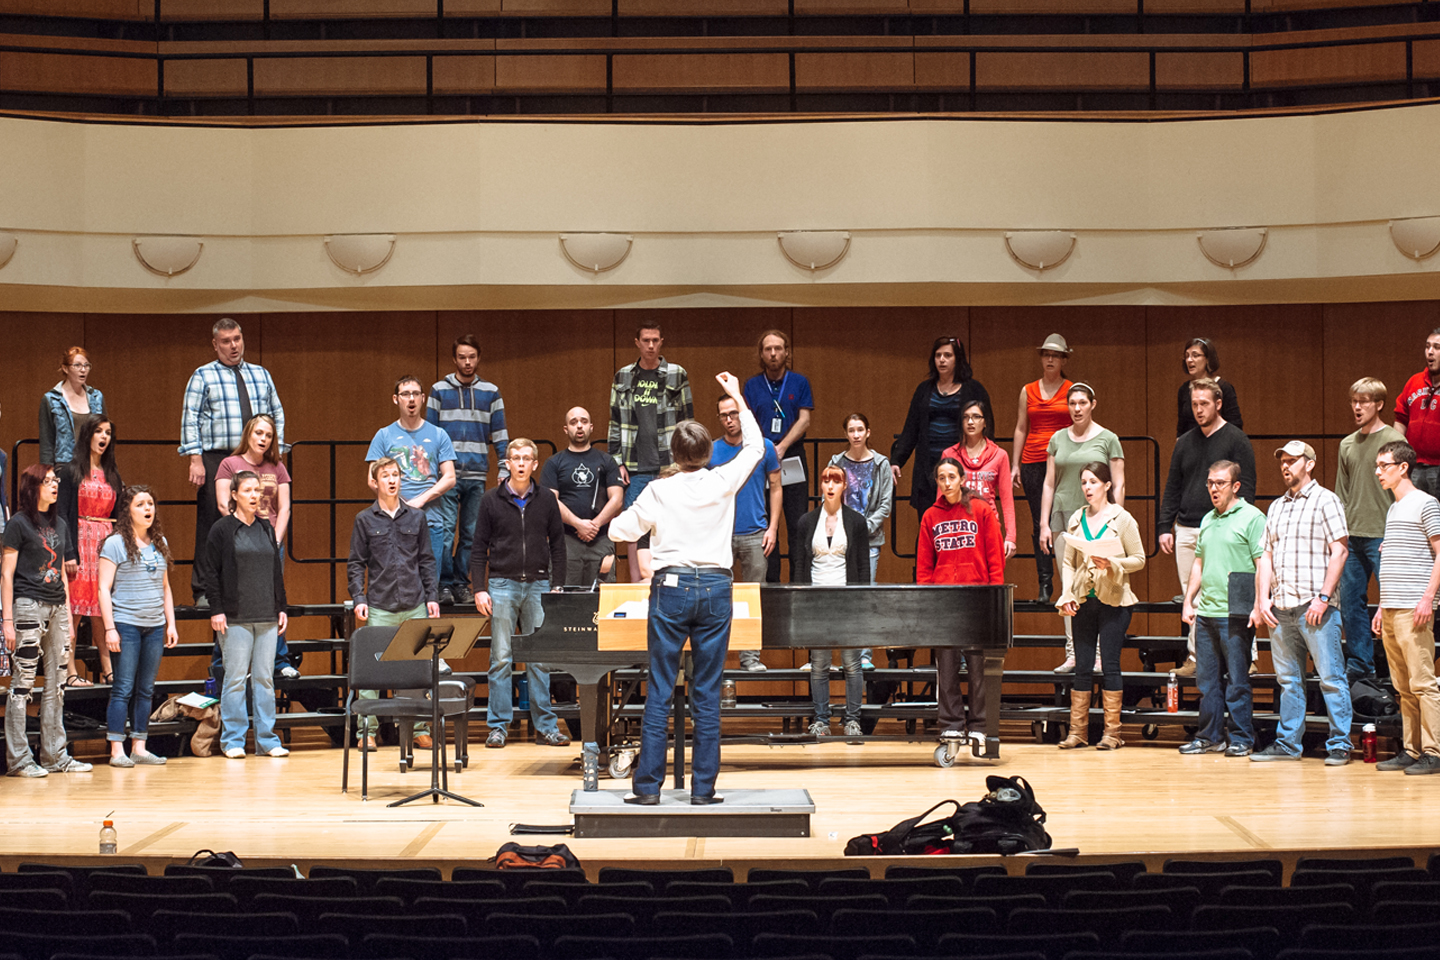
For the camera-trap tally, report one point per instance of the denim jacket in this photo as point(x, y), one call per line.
point(57, 428)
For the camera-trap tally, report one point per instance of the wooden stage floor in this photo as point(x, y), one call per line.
point(1145, 800)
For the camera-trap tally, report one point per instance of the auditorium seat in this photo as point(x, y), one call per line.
point(926, 927)
point(142, 906)
point(547, 927)
point(356, 925)
point(1123, 871)
point(222, 876)
point(709, 946)
point(739, 893)
point(1400, 911)
point(643, 909)
point(896, 890)
point(1262, 942)
point(59, 881)
point(166, 925)
point(1425, 952)
point(476, 911)
point(840, 948)
point(311, 946)
point(1288, 920)
point(1108, 925)
point(661, 877)
point(822, 907)
point(384, 946)
point(41, 946)
point(365, 878)
point(1003, 906)
point(515, 880)
point(309, 909)
point(74, 923)
point(572, 892)
point(742, 927)
point(1209, 884)
point(1354, 865)
point(1054, 946)
point(124, 882)
point(1052, 888)
point(1274, 867)
point(246, 888)
point(811, 878)
point(1229, 953)
point(966, 874)
point(1372, 937)
point(410, 890)
point(1180, 900)
point(25, 899)
point(1289, 896)
point(80, 876)
point(1432, 865)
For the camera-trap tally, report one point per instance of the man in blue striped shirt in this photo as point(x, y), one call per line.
point(470, 410)
point(220, 399)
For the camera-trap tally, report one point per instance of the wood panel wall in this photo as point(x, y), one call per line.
point(1291, 365)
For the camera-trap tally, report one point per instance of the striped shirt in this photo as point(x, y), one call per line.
point(1298, 530)
point(1406, 558)
point(211, 420)
point(473, 414)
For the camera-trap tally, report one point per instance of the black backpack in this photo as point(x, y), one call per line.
point(1372, 700)
point(1006, 820)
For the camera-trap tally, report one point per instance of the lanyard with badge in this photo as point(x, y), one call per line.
point(777, 422)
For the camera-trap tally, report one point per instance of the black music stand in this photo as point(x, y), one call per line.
point(456, 635)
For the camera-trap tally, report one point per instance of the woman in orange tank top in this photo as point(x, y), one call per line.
point(1042, 411)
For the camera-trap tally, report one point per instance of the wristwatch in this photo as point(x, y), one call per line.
point(1324, 598)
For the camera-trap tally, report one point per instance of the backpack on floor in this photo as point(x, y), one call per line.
point(1372, 700)
point(513, 856)
point(1006, 820)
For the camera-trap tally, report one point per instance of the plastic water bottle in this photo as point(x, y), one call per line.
point(109, 840)
point(1368, 742)
point(522, 693)
point(1172, 694)
point(590, 764)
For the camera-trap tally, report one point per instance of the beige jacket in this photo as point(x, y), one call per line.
point(1078, 577)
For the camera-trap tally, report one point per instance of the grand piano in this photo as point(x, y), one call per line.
point(974, 618)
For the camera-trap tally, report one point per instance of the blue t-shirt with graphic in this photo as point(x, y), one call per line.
point(419, 453)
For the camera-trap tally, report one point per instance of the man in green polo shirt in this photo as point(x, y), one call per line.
point(1218, 601)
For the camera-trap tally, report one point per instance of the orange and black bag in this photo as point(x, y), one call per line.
point(513, 856)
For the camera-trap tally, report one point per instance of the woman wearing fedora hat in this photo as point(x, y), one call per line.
point(1042, 411)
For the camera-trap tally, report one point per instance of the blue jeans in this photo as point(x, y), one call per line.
point(820, 683)
point(516, 605)
point(874, 566)
point(1359, 645)
point(697, 606)
point(248, 648)
point(1288, 644)
point(135, 667)
point(1222, 674)
point(638, 482)
point(461, 508)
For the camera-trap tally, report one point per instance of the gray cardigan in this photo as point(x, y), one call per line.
point(882, 494)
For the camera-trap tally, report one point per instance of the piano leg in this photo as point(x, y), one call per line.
point(994, 670)
point(592, 691)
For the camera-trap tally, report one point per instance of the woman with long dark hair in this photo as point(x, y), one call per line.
point(139, 613)
point(959, 542)
point(67, 406)
point(88, 507)
point(1102, 549)
point(1202, 361)
point(933, 422)
point(36, 602)
point(832, 549)
point(247, 590)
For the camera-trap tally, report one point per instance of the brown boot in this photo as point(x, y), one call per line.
point(1111, 740)
point(1079, 720)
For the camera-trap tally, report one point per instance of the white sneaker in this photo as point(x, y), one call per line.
point(755, 666)
point(818, 729)
point(852, 729)
point(235, 753)
point(278, 752)
point(289, 673)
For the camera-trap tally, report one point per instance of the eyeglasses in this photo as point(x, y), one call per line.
point(49, 480)
point(410, 394)
point(1212, 484)
point(971, 417)
point(522, 458)
point(80, 366)
point(730, 416)
point(1383, 466)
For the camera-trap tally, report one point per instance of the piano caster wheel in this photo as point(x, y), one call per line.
point(1150, 731)
point(946, 753)
point(622, 763)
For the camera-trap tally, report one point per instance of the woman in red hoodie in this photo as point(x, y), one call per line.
point(987, 468)
point(959, 543)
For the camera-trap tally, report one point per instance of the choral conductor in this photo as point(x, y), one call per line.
point(689, 517)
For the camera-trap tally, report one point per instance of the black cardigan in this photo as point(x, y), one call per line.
point(221, 572)
point(915, 438)
point(857, 546)
point(67, 508)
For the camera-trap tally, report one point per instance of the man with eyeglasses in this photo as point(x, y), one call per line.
point(519, 547)
point(1186, 500)
point(1218, 599)
point(1409, 583)
point(756, 533)
point(426, 457)
point(1417, 418)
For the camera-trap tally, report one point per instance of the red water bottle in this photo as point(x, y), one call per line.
point(1368, 743)
point(1172, 695)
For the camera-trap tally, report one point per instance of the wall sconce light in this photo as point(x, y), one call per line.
point(360, 253)
point(1417, 238)
point(1040, 249)
point(1232, 247)
point(814, 249)
point(167, 256)
point(8, 243)
point(596, 252)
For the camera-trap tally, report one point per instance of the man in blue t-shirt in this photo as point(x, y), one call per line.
point(781, 401)
point(754, 537)
point(425, 455)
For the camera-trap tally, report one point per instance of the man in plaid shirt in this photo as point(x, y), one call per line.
point(647, 400)
point(220, 399)
point(1306, 542)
